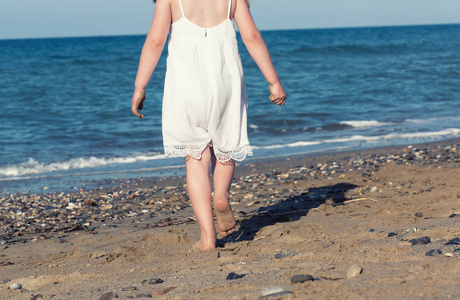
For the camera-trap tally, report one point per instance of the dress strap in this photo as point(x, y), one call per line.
point(182, 8)
point(229, 8)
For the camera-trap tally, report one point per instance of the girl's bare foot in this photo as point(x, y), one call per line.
point(225, 222)
point(225, 219)
point(204, 246)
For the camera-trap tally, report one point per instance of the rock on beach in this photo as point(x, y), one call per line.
point(301, 278)
point(353, 271)
point(420, 241)
point(16, 286)
point(108, 296)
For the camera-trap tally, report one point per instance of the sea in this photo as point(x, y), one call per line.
point(66, 123)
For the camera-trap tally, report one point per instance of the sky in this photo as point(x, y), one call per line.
point(69, 18)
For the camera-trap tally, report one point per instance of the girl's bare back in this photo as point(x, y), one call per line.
point(204, 13)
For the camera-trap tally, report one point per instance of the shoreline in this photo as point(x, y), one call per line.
point(314, 215)
point(141, 191)
point(280, 162)
point(242, 168)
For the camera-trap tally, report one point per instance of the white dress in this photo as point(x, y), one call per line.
point(205, 99)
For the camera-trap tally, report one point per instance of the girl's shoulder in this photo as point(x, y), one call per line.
point(164, 2)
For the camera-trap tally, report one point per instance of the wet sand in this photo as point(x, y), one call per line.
point(314, 215)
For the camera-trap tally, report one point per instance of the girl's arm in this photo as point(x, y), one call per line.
point(255, 44)
point(151, 52)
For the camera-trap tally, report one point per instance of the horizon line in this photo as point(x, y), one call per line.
point(262, 30)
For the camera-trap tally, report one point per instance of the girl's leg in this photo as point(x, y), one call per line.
point(199, 190)
point(222, 176)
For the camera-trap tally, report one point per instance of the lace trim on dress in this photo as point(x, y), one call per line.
point(184, 150)
point(195, 151)
point(238, 155)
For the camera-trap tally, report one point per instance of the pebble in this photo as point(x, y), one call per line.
point(392, 234)
point(129, 289)
point(152, 281)
point(434, 252)
point(419, 214)
point(144, 296)
point(281, 255)
point(278, 295)
point(108, 206)
point(233, 276)
point(71, 206)
point(353, 271)
point(420, 241)
point(272, 290)
point(407, 232)
point(16, 286)
point(454, 241)
point(454, 216)
point(301, 278)
point(108, 296)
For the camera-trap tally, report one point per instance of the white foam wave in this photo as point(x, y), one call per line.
point(362, 124)
point(409, 137)
point(295, 144)
point(34, 167)
point(375, 123)
point(450, 132)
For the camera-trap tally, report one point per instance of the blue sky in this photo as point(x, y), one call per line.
point(60, 18)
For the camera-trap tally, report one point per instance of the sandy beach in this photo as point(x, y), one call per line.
point(374, 224)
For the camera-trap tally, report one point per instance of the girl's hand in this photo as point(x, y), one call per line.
point(277, 93)
point(137, 103)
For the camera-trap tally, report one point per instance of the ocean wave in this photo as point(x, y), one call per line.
point(363, 124)
point(407, 137)
point(368, 49)
point(295, 144)
point(345, 125)
point(435, 120)
point(375, 123)
point(34, 167)
point(352, 48)
point(353, 124)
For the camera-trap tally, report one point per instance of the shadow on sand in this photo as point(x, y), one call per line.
point(290, 209)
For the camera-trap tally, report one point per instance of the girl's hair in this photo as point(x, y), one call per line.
point(248, 1)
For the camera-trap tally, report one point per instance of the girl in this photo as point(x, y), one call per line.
point(205, 100)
